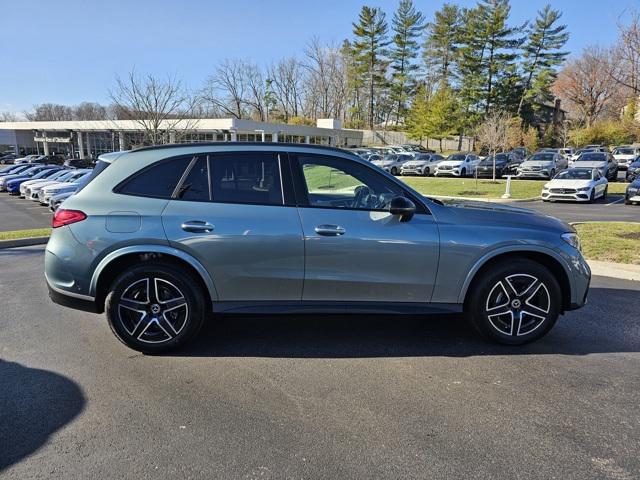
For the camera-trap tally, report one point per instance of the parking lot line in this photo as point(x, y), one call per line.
point(617, 201)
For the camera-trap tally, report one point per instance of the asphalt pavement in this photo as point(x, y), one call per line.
point(20, 214)
point(316, 396)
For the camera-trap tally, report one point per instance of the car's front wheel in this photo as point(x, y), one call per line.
point(425, 172)
point(514, 302)
point(394, 171)
point(155, 308)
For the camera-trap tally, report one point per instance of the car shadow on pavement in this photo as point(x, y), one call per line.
point(34, 404)
point(606, 324)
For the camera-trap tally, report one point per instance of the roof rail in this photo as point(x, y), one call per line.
point(231, 144)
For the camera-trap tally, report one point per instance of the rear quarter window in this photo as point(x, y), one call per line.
point(158, 180)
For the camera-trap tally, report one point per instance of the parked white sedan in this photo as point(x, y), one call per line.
point(576, 185)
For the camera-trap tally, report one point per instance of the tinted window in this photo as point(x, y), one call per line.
point(195, 186)
point(336, 183)
point(158, 181)
point(252, 178)
point(592, 157)
point(542, 156)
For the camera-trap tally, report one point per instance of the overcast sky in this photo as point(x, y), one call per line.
point(68, 51)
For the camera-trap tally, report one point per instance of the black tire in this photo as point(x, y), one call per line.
point(425, 172)
point(592, 196)
point(394, 171)
point(511, 322)
point(463, 173)
point(605, 193)
point(165, 330)
point(552, 174)
point(627, 201)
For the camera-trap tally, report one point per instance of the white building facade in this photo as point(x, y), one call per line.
point(88, 139)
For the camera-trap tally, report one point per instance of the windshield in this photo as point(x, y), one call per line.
point(592, 157)
point(575, 174)
point(456, 156)
point(544, 157)
point(624, 151)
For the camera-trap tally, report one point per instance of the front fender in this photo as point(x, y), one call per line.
point(152, 248)
point(481, 261)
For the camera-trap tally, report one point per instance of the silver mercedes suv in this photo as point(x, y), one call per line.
point(161, 237)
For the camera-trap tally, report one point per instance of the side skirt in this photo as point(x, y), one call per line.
point(292, 308)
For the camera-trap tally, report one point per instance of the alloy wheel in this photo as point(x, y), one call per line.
point(153, 310)
point(518, 304)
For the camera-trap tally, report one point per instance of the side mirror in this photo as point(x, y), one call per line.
point(402, 206)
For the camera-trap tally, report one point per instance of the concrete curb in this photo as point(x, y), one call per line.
point(488, 200)
point(622, 271)
point(23, 242)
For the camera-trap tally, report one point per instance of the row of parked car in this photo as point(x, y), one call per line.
point(46, 184)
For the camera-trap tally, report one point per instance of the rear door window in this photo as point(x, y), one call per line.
point(246, 178)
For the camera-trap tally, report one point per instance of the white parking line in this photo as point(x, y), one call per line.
point(617, 201)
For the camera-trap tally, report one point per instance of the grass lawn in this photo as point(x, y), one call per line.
point(16, 234)
point(611, 241)
point(321, 178)
point(466, 187)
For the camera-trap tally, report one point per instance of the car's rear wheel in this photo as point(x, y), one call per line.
point(514, 302)
point(155, 308)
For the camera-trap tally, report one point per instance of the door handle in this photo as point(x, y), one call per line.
point(330, 230)
point(197, 226)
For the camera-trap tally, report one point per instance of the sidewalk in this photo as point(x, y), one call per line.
point(622, 271)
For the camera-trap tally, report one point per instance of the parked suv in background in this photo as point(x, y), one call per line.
point(458, 165)
point(542, 165)
point(163, 236)
point(625, 155)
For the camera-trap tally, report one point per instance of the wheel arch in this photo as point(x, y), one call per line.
point(115, 262)
point(544, 256)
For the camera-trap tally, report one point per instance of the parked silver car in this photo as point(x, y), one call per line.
point(542, 165)
point(161, 237)
point(423, 164)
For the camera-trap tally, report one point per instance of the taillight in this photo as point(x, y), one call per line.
point(67, 217)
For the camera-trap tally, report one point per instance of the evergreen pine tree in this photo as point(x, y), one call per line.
point(442, 43)
point(369, 51)
point(407, 24)
point(542, 54)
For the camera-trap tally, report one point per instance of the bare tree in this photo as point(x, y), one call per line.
point(286, 80)
point(625, 63)
point(225, 89)
point(8, 117)
point(89, 111)
point(585, 83)
point(49, 112)
point(326, 82)
point(493, 134)
point(255, 91)
point(158, 106)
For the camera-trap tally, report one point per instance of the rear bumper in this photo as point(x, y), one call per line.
point(85, 304)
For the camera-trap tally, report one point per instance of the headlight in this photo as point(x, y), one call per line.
point(572, 239)
point(584, 189)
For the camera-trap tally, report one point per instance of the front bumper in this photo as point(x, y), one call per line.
point(567, 197)
point(455, 172)
point(412, 171)
point(533, 174)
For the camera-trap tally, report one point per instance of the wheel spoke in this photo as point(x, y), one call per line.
point(533, 294)
point(499, 285)
point(134, 305)
point(174, 303)
point(167, 326)
point(510, 281)
point(141, 326)
point(496, 319)
point(153, 291)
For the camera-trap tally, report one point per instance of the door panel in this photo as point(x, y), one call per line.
point(253, 252)
point(355, 250)
point(375, 258)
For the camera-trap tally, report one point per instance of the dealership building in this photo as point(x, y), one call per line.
point(88, 139)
